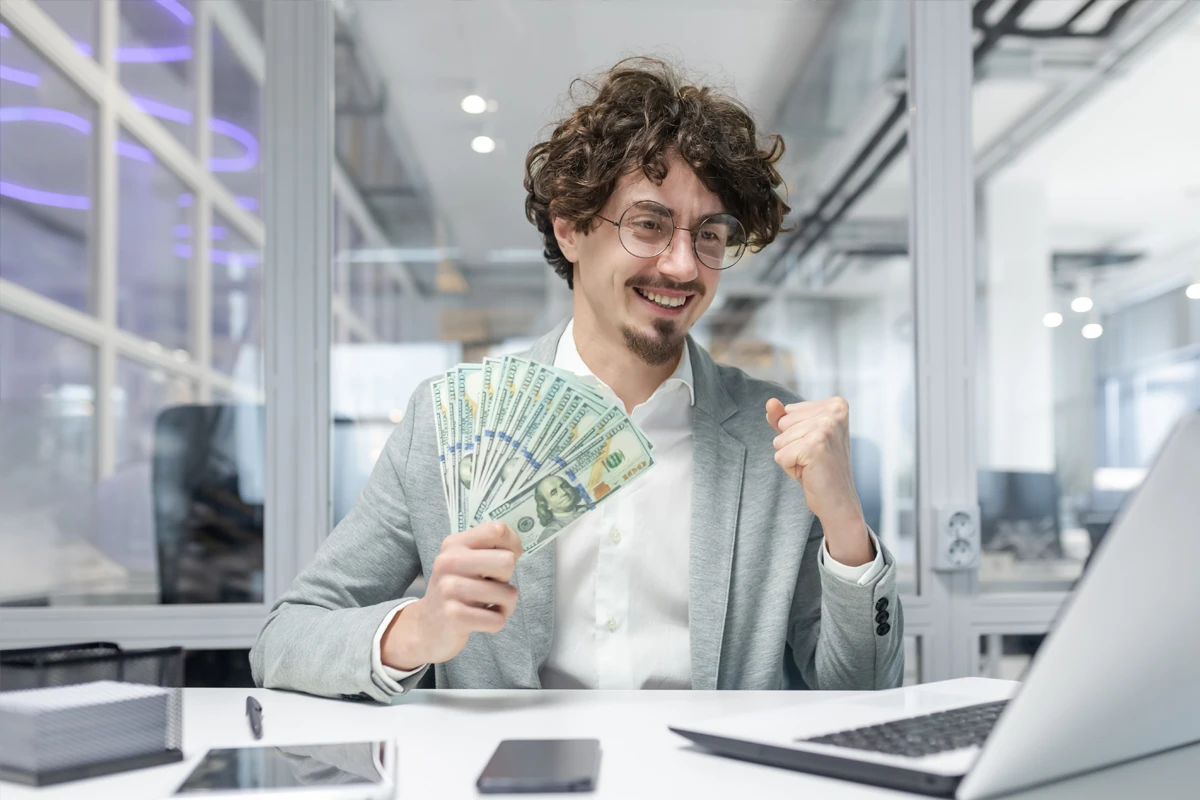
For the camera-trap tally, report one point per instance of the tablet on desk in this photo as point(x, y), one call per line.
point(359, 770)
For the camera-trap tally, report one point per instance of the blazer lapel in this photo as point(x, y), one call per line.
point(718, 464)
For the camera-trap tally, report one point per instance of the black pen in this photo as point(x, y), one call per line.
point(254, 712)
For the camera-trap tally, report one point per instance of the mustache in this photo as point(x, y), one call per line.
point(696, 287)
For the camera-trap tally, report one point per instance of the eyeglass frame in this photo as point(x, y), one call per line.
point(674, 227)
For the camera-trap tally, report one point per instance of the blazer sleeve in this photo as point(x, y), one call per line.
point(844, 635)
point(318, 638)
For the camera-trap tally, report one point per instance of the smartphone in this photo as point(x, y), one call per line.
point(542, 765)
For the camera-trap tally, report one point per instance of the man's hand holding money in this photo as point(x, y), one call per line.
point(468, 591)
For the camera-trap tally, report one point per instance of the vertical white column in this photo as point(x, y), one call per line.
point(1020, 420)
point(942, 242)
point(200, 299)
point(105, 242)
point(299, 160)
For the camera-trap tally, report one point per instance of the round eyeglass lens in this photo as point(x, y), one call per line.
point(646, 229)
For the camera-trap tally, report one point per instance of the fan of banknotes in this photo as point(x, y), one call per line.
point(531, 446)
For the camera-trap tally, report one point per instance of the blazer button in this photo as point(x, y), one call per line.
point(881, 604)
point(883, 629)
point(882, 616)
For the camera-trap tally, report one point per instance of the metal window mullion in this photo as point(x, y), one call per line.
point(104, 254)
point(40, 310)
point(239, 34)
point(299, 149)
point(193, 626)
point(942, 245)
point(200, 283)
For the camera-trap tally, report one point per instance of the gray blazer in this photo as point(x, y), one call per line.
point(762, 614)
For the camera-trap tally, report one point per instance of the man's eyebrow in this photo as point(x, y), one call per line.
point(673, 212)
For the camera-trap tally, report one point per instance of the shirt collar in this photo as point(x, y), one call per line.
point(567, 357)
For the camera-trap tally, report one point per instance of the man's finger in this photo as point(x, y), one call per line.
point(489, 535)
point(484, 594)
point(496, 563)
point(794, 433)
point(775, 411)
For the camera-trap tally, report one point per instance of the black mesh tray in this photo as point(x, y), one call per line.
point(67, 665)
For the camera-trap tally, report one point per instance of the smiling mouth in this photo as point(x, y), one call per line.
point(662, 300)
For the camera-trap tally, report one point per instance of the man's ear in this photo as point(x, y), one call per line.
point(567, 236)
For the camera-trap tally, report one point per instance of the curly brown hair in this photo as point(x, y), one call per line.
point(636, 115)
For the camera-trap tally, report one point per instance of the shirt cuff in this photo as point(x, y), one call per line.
point(386, 676)
point(862, 574)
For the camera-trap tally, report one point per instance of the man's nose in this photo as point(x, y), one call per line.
point(678, 261)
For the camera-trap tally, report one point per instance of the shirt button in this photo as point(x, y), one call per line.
point(611, 625)
point(615, 536)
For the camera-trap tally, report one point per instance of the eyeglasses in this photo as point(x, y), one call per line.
point(647, 228)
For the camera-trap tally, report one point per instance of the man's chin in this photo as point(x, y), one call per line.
point(657, 346)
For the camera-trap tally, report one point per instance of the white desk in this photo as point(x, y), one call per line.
point(446, 737)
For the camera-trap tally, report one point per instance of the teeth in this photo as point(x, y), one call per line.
point(669, 302)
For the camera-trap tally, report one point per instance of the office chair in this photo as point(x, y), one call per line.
point(209, 536)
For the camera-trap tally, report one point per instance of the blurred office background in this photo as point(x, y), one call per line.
point(133, 224)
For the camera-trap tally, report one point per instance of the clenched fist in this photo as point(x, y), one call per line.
point(468, 591)
point(813, 447)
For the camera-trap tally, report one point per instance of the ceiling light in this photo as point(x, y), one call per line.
point(483, 144)
point(1052, 320)
point(1081, 305)
point(474, 104)
point(1193, 291)
point(1092, 330)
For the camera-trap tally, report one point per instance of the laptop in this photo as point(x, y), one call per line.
point(1117, 678)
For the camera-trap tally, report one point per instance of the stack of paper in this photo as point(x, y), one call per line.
point(531, 446)
point(60, 727)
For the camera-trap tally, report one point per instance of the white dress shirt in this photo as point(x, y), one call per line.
point(621, 582)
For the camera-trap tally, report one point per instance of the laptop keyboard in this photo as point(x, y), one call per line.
point(921, 736)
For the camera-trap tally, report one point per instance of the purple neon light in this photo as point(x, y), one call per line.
point(134, 151)
point(20, 76)
point(5, 33)
point(163, 111)
point(248, 203)
point(241, 136)
point(40, 114)
point(177, 10)
point(38, 197)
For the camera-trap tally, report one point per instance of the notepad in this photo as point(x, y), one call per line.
point(70, 726)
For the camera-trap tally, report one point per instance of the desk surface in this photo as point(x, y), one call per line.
point(446, 737)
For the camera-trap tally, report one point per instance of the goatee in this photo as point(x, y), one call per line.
point(658, 348)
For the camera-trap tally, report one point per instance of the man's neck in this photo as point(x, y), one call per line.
point(606, 355)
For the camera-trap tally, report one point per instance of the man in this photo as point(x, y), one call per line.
point(717, 569)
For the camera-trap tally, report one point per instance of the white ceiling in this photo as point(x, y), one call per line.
point(523, 54)
point(1121, 172)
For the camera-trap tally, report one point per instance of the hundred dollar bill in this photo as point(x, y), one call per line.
point(468, 388)
point(441, 423)
point(514, 386)
point(594, 473)
point(540, 403)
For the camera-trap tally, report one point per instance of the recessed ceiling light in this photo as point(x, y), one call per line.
point(1193, 291)
point(1052, 320)
point(1092, 330)
point(474, 104)
point(1081, 305)
point(483, 144)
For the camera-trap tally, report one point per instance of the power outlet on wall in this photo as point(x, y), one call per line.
point(957, 540)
